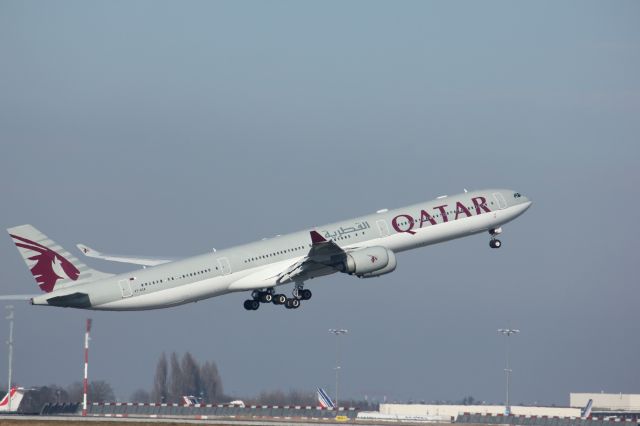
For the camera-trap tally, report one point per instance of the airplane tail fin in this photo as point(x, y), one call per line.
point(324, 400)
point(586, 411)
point(16, 395)
point(51, 265)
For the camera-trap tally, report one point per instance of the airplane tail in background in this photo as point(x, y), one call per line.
point(586, 411)
point(51, 265)
point(324, 400)
point(16, 397)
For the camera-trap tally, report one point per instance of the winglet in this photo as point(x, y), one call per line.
point(316, 238)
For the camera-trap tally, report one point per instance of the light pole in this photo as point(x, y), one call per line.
point(337, 333)
point(10, 343)
point(85, 381)
point(507, 332)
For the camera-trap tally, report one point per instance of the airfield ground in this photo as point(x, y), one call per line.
point(94, 421)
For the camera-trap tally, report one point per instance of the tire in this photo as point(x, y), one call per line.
point(279, 299)
point(254, 304)
point(306, 294)
point(295, 303)
point(266, 298)
point(497, 243)
point(287, 304)
point(492, 243)
point(247, 305)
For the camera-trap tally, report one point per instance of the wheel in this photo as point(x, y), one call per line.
point(266, 297)
point(287, 303)
point(279, 299)
point(254, 304)
point(306, 294)
point(295, 303)
point(247, 305)
point(495, 243)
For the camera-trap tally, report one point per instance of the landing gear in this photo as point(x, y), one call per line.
point(305, 294)
point(495, 243)
point(251, 305)
point(292, 303)
point(267, 296)
point(258, 297)
point(263, 296)
point(279, 299)
point(300, 293)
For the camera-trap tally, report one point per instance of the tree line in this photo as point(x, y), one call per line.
point(176, 378)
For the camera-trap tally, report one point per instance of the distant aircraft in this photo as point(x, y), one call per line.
point(365, 247)
point(190, 400)
point(324, 400)
point(16, 397)
point(585, 413)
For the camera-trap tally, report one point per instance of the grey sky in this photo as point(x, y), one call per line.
point(168, 128)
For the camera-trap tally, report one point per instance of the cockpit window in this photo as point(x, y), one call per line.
point(517, 195)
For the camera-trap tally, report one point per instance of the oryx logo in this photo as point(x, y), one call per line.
point(49, 266)
point(374, 259)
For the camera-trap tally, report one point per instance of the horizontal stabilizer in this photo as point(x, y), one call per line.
point(17, 296)
point(135, 260)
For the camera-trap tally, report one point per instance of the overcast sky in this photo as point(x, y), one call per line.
point(168, 128)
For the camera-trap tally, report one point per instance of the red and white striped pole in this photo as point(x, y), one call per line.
point(86, 367)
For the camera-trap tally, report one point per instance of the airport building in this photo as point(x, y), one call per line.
point(451, 411)
point(605, 405)
point(607, 401)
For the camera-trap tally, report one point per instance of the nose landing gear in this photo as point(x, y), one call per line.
point(495, 243)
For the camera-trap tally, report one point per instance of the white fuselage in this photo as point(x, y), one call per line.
point(255, 265)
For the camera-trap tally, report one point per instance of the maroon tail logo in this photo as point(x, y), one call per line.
point(49, 265)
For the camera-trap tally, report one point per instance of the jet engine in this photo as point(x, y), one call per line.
point(369, 262)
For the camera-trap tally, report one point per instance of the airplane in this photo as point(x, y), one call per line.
point(324, 400)
point(365, 247)
point(585, 412)
point(11, 401)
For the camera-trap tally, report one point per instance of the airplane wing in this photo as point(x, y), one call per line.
point(323, 254)
point(136, 260)
point(322, 259)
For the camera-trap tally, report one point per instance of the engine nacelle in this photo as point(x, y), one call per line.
point(370, 261)
point(391, 266)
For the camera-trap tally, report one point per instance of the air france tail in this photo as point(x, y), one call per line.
point(52, 266)
point(586, 411)
point(16, 398)
point(324, 400)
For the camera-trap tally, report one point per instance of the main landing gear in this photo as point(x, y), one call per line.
point(494, 242)
point(267, 296)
